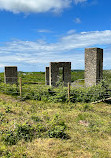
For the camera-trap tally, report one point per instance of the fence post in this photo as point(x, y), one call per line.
point(68, 91)
point(20, 86)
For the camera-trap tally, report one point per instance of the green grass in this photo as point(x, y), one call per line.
point(45, 125)
point(40, 76)
point(27, 129)
point(60, 94)
point(32, 76)
point(28, 76)
point(77, 74)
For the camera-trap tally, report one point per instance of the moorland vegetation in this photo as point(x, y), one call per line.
point(43, 123)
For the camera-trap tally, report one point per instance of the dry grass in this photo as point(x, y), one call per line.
point(91, 141)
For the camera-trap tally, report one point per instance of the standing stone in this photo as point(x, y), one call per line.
point(47, 76)
point(93, 66)
point(54, 72)
point(10, 75)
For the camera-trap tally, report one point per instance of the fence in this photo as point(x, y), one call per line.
point(28, 87)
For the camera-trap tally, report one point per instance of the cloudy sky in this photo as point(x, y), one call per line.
point(36, 32)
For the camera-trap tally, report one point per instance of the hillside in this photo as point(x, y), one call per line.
point(39, 129)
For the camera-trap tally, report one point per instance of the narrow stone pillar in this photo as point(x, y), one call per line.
point(93, 66)
point(47, 76)
point(10, 75)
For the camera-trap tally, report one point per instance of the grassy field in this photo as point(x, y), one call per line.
point(40, 76)
point(40, 92)
point(46, 125)
point(86, 133)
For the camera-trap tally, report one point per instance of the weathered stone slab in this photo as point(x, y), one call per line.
point(10, 75)
point(54, 72)
point(93, 66)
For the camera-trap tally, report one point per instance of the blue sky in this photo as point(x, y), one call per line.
point(36, 32)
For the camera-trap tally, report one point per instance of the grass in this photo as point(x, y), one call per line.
point(40, 76)
point(88, 128)
point(42, 129)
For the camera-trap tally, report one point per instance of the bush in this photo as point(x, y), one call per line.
point(56, 128)
point(57, 132)
point(53, 128)
point(59, 94)
point(90, 94)
point(9, 89)
point(25, 132)
point(10, 138)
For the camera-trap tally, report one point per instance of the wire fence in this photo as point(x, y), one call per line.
point(28, 87)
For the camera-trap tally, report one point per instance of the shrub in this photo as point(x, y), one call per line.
point(57, 128)
point(25, 132)
point(90, 94)
point(9, 89)
point(10, 138)
point(53, 128)
point(57, 132)
point(59, 94)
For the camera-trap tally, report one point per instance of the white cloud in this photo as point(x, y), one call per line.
point(68, 42)
point(71, 31)
point(77, 20)
point(44, 31)
point(36, 6)
point(79, 1)
point(68, 48)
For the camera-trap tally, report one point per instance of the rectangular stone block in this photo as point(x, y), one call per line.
point(93, 66)
point(10, 75)
point(54, 72)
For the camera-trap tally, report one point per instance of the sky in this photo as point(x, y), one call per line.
point(36, 32)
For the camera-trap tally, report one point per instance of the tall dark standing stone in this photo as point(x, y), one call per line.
point(10, 75)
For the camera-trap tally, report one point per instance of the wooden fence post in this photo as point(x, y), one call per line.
point(20, 86)
point(68, 91)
